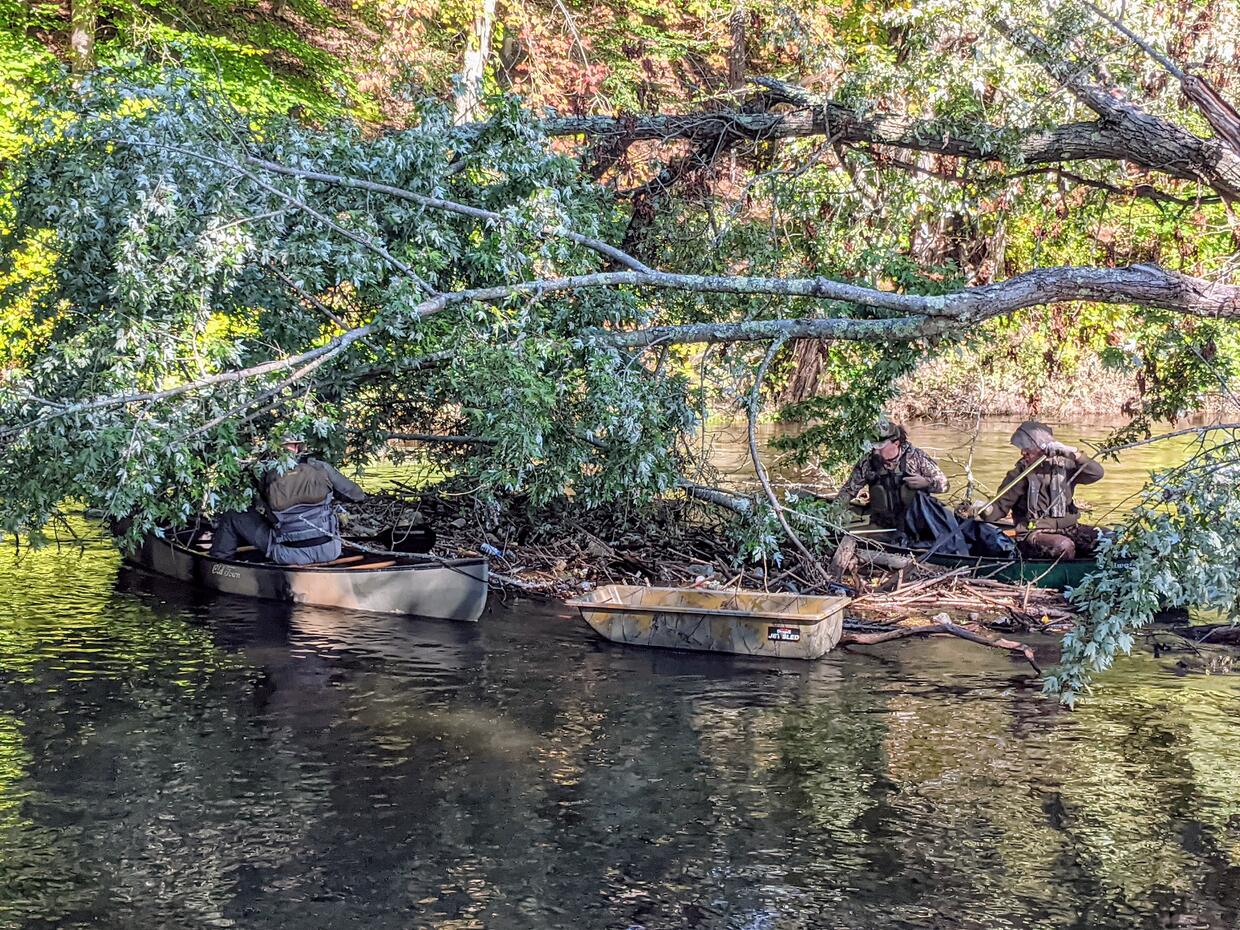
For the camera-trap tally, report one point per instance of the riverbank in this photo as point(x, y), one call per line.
point(961, 386)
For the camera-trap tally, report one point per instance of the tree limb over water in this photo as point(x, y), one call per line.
point(926, 317)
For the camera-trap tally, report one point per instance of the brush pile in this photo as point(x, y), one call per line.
point(558, 551)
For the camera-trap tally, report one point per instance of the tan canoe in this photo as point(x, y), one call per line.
point(754, 623)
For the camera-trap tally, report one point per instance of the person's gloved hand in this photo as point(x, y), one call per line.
point(972, 510)
point(916, 482)
point(1058, 448)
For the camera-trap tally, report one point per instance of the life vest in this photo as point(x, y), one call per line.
point(1052, 479)
point(300, 501)
point(889, 495)
point(303, 526)
point(307, 482)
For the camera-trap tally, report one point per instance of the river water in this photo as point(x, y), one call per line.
point(981, 452)
point(170, 759)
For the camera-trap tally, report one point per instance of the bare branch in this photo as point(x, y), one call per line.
point(1200, 431)
point(755, 398)
point(923, 316)
point(1158, 56)
point(1139, 285)
point(449, 206)
point(306, 297)
point(943, 626)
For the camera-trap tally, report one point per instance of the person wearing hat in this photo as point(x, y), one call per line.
point(893, 472)
point(301, 528)
point(1039, 495)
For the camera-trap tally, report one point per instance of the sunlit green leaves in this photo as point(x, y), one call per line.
point(1180, 548)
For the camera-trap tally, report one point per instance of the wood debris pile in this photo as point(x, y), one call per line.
point(559, 552)
point(995, 604)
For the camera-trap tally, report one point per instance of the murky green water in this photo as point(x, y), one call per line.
point(172, 759)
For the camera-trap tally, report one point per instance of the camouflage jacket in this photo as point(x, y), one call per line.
point(912, 461)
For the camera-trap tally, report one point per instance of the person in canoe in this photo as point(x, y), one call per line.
point(893, 472)
point(1039, 496)
point(302, 527)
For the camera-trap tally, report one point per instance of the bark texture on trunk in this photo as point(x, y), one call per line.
point(736, 54)
point(1138, 137)
point(477, 50)
point(808, 356)
point(83, 17)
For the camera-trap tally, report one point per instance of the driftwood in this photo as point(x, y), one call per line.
point(1021, 606)
point(942, 627)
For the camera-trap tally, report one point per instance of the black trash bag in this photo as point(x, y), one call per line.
point(988, 540)
point(926, 522)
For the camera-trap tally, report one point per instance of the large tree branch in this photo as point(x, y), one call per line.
point(1126, 133)
point(922, 316)
point(1074, 141)
point(1219, 113)
point(450, 206)
point(1138, 285)
point(1148, 140)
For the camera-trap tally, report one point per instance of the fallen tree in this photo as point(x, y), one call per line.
point(183, 280)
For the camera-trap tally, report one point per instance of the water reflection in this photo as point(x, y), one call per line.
point(173, 759)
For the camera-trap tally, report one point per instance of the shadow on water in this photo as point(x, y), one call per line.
point(175, 759)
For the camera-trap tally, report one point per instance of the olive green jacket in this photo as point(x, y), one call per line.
point(309, 482)
point(1027, 514)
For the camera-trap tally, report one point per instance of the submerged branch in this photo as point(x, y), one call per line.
point(942, 627)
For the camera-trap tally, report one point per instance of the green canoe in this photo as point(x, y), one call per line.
point(1043, 573)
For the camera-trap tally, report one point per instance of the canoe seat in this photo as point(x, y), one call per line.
point(345, 560)
point(342, 561)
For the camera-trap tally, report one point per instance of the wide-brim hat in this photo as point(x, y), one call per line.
point(1032, 435)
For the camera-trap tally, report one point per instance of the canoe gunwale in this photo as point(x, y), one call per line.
point(1054, 574)
point(447, 589)
point(415, 562)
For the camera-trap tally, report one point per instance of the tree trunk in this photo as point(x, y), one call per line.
point(736, 54)
point(808, 356)
point(82, 18)
point(468, 92)
point(511, 54)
